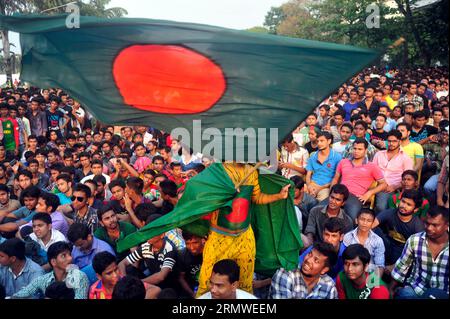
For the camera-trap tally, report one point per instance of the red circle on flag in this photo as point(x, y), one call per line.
point(239, 210)
point(168, 79)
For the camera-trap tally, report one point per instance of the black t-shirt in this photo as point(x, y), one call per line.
point(426, 131)
point(166, 208)
point(376, 136)
point(53, 119)
point(190, 265)
point(397, 231)
point(309, 148)
point(373, 109)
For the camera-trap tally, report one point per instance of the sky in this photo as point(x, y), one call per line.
point(234, 14)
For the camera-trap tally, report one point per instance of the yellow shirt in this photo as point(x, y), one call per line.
point(413, 150)
point(390, 102)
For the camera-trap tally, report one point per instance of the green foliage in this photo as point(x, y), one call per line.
point(344, 21)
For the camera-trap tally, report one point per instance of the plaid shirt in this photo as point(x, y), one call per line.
point(416, 100)
point(426, 272)
point(290, 285)
point(90, 219)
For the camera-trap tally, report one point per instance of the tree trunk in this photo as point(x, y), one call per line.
point(6, 56)
point(406, 11)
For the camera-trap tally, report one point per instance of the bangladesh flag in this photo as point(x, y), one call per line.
point(167, 74)
point(275, 225)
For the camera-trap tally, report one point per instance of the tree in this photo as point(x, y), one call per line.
point(9, 7)
point(344, 21)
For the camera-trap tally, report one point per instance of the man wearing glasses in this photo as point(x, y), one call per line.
point(392, 162)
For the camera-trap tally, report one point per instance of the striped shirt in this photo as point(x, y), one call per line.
point(417, 261)
point(290, 285)
point(155, 261)
point(374, 244)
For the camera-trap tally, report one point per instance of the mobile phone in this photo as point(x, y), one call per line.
point(13, 162)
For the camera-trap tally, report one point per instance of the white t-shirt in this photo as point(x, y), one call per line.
point(56, 236)
point(339, 147)
point(240, 294)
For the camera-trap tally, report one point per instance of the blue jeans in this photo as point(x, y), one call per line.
point(408, 293)
point(381, 200)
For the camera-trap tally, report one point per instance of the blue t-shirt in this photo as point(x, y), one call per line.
point(63, 199)
point(323, 173)
point(348, 108)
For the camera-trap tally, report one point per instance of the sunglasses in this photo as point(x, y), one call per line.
point(80, 199)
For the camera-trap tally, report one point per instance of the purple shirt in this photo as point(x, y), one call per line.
point(83, 259)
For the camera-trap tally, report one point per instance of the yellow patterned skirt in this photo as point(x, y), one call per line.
point(241, 248)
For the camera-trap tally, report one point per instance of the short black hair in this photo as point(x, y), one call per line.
point(136, 184)
point(188, 236)
point(326, 134)
point(362, 123)
point(418, 115)
point(299, 182)
point(117, 182)
point(360, 140)
point(13, 247)
point(340, 189)
point(356, 250)
point(411, 173)
point(129, 288)
point(66, 177)
point(31, 191)
point(438, 210)
point(78, 231)
point(102, 260)
point(157, 158)
point(415, 195)
point(395, 133)
point(328, 251)
point(104, 209)
point(144, 210)
point(348, 125)
point(57, 248)
point(406, 125)
point(366, 211)
point(4, 188)
point(58, 290)
point(46, 218)
point(51, 200)
point(229, 268)
point(84, 189)
point(334, 225)
point(99, 179)
point(169, 188)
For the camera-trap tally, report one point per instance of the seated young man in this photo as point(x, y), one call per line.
point(23, 215)
point(310, 281)
point(47, 204)
point(16, 270)
point(189, 262)
point(355, 281)
point(224, 282)
point(159, 256)
point(319, 214)
point(333, 234)
point(108, 275)
point(410, 180)
point(7, 205)
point(423, 267)
point(43, 232)
point(112, 230)
point(398, 224)
point(85, 245)
point(364, 235)
point(60, 260)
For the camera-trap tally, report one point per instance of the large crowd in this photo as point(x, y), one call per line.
point(369, 166)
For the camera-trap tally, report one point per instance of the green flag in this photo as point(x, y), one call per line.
point(275, 225)
point(168, 74)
